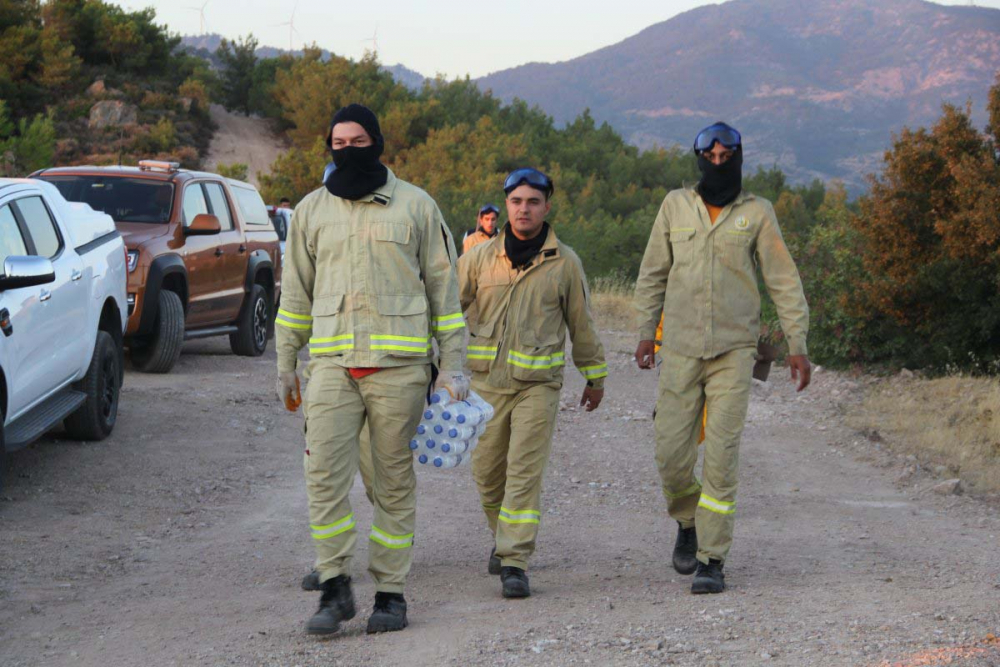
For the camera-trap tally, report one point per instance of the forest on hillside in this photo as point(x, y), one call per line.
point(908, 274)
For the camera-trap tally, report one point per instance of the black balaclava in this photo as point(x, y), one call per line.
point(520, 253)
point(721, 183)
point(358, 170)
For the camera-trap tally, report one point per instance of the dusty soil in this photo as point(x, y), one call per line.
point(182, 538)
point(242, 139)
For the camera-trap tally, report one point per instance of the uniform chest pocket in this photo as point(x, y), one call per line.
point(737, 251)
point(682, 244)
point(391, 232)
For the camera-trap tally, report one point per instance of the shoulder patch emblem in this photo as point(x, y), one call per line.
point(742, 222)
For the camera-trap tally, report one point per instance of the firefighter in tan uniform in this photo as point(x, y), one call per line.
point(700, 272)
point(368, 281)
point(529, 290)
point(486, 228)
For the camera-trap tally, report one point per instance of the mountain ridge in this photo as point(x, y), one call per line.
point(817, 88)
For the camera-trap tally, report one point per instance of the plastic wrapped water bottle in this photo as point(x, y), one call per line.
point(454, 446)
point(447, 461)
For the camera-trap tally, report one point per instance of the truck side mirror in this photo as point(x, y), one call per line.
point(26, 271)
point(204, 224)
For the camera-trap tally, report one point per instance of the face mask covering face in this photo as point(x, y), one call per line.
point(721, 183)
point(358, 172)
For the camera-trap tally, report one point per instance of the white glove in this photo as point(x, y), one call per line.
point(289, 392)
point(456, 384)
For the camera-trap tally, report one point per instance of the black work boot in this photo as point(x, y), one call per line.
point(685, 549)
point(389, 614)
point(515, 582)
point(708, 578)
point(335, 605)
point(310, 582)
point(494, 565)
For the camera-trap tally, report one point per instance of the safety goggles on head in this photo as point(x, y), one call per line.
point(720, 132)
point(528, 176)
point(489, 208)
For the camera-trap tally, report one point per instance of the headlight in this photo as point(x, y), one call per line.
point(133, 260)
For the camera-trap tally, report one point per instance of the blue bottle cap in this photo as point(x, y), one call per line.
point(414, 444)
point(438, 462)
point(460, 419)
point(453, 433)
point(446, 415)
point(430, 444)
point(421, 429)
point(445, 447)
point(435, 397)
point(438, 429)
point(422, 458)
point(428, 414)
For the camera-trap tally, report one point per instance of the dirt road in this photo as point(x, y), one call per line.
point(181, 541)
point(242, 139)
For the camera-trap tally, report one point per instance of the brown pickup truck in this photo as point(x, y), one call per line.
point(203, 257)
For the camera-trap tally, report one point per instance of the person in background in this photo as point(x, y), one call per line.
point(486, 228)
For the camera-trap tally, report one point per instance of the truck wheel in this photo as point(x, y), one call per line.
point(255, 319)
point(158, 352)
point(95, 419)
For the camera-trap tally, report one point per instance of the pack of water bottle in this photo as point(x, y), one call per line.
point(450, 430)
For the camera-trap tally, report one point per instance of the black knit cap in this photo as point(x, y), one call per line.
point(361, 115)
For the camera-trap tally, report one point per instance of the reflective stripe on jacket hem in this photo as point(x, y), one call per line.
point(400, 343)
point(331, 344)
point(481, 352)
point(541, 362)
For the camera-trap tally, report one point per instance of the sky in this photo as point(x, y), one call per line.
point(450, 37)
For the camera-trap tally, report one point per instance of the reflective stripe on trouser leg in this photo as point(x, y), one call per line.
point(727, 389)
point(489, 458)
point(394, 398)
point(677, 425)
point(334, 413)
point(532, 421)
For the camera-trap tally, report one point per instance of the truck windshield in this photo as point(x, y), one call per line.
point(124, 199)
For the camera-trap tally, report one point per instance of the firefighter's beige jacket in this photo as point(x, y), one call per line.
point(703, 277)
point(370, 281)
point(518, 337)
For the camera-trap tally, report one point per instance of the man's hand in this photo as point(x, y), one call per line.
point(456, 384)
point(645, 354)
point(289, 391)
point(591, 398)
point(801, 370)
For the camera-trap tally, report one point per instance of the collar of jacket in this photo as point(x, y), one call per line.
point(744, 195)
point(382, 195)
point(550, 249)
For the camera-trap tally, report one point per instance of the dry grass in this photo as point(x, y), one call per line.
point(611, 302)
point(951, 421)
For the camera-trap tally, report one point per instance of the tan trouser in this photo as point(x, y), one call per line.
point(508, 465)
point(336, 407)
point(685, 386)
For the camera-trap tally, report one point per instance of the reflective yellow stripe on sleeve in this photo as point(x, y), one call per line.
point(292, 320)
point(519, 516)
point(594, 372)
point(391, 541)
point(448, 322)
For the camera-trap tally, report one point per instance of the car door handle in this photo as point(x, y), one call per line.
point(218, 252)
point(45, 295)
point(243, 249)
point(76, 274)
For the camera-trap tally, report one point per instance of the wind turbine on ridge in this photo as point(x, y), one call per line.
point(291, 26)
point(201, 14)
point(374, 40)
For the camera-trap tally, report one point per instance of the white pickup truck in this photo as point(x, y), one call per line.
point(63, 311)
